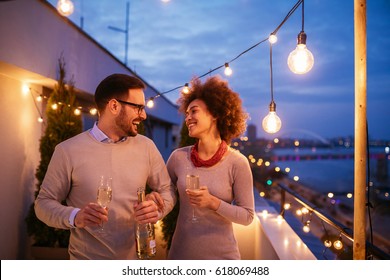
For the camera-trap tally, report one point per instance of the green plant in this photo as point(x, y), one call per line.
point(61, 124)
point(169, 221)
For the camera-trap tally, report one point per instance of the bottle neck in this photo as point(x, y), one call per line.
point(141, 194)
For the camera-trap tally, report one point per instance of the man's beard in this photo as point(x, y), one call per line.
point(123, 124)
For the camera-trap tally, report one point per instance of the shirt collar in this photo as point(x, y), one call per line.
point(101, 136)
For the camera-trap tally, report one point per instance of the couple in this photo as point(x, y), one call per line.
point(214, 116)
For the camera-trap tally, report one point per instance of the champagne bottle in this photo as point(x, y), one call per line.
point(144, 234)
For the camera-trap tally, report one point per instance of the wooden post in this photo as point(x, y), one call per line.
point(359, 227)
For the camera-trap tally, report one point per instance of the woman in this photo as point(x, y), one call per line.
point(214, 116)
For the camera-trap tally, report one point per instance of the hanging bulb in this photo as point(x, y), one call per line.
point(300, 60)
point(338, 245)
point(271, 122)
point(228, 70)
point(40, 120)
point(54, 106)
point(327, 243)
point(150, 103)
point(185, 90)
point(65, 7)
point(306, 227)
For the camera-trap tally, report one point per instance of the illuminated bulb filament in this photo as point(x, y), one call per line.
point(300, 60)
point(272, 123)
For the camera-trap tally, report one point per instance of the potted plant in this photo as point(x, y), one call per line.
point(62, 123)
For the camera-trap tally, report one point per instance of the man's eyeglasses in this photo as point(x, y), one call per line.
point(139, 107)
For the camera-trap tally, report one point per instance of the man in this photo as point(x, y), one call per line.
point(111, 148)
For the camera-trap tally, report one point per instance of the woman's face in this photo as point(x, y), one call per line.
point(199, 120)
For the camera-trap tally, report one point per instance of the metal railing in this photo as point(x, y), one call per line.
point(372, 250)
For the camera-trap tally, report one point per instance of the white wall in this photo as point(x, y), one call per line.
point(19, 157)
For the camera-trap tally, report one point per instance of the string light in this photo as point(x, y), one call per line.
point(65, 7)
point(338, 244)
point(77, 112)
point(328, 243)
point(301, 60)
point(93, 111)
point(228, 71)
point(306, 227)
point(150, 103)
point(55, 106)
point(304, 210)
point(272, 38)
point(186, 89)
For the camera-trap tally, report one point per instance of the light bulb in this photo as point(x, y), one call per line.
point(304, 210)
point(228, 70)
point(150, 103)
point(77, 112)
point(338, 245)
point(327, 243)
point(186, 90)
point(93, 111)
point(272, 38)
point(300, 60)
point(306, 228)
point(271, 122)
point(25, 89)
point(65, 7)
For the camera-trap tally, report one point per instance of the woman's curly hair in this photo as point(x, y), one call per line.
point(223, 104)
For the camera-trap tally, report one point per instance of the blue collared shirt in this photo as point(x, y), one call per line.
point(101, 136)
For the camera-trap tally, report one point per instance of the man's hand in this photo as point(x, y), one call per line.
point(156, 198)
point(146, 212)
point(91, 215)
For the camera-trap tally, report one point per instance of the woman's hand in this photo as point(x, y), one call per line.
point(203, 199)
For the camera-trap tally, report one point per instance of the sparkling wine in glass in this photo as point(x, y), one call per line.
point(104, 193)
point(192, 183)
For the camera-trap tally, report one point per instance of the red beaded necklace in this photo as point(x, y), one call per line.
point(198, 162)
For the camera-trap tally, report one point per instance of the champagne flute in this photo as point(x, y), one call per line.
point(192, 183)
point(104, 193)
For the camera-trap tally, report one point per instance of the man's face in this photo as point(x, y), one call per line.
point(131, 115)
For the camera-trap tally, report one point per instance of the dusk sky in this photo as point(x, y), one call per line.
point(170, 43)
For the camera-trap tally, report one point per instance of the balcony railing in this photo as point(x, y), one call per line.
point(373, 252)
